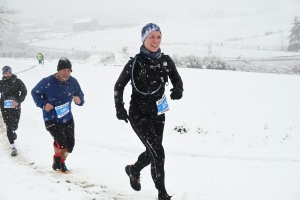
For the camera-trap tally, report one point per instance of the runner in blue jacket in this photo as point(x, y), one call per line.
point(54, 94)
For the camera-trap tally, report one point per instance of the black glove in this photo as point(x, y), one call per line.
point(176, 93)
point(122, 113)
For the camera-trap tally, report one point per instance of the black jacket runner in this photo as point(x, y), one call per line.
point(12, 89)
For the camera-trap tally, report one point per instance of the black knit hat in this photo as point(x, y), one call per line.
point(6, 69)
point(64, 63)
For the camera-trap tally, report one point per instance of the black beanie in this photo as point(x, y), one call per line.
point(6, 69)
point(64, 63)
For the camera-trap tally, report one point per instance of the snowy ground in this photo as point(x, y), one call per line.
point(243, 128)
point(242, 140)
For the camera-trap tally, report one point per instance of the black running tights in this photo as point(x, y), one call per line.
point(150, 131)
point(11, 117)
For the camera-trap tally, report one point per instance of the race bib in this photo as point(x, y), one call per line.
point(162, 105)
point(8, 104)
point(62, 110)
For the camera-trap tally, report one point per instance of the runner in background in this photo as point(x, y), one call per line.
point(13, 93)
point(40, 58)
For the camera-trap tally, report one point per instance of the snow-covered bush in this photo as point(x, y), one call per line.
point(108, 58)
point(213, 62)
point(181, 129)
point(201, 131)
point(287, 67)
point(125, 50)
point(192, 61)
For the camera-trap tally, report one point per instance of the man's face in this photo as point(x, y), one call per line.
point(7, 74)
point(63, 74)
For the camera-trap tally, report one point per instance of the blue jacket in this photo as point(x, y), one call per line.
point(51, 90)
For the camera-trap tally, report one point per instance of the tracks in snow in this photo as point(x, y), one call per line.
point(72, 181)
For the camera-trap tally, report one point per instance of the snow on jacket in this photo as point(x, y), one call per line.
point(147, 75)
point(57, 93)
point(12, 89)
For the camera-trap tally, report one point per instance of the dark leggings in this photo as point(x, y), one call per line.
point(150, 129)
point(11, 117)
point(63, 134)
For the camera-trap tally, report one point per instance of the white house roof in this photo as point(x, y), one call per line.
point(84, 20)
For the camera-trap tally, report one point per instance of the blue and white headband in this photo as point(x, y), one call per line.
point(148, 28)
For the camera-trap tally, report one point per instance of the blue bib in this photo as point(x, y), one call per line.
point(162, 105)
point(62, 110)
point(8, 104)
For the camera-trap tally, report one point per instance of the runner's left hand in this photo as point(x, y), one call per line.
point(176, 93)
point(76, 100)
point(15, 104)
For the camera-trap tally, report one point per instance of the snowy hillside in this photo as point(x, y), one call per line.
point(233, 136)
point(242, 140)
point(243, 30)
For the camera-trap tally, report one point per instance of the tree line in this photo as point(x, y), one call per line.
point(294, 43)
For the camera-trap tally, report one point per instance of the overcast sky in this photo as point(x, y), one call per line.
point(132, 11)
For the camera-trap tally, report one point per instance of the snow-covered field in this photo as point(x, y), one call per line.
point(249, 30)
point(187, 39)
point(242, 140)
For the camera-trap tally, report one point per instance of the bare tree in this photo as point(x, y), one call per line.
point(8, 31)
point(5, 13)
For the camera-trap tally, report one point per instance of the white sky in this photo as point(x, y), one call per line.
point(132, 11)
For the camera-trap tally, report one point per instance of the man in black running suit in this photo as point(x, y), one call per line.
point(149, 72)
point(13, 93)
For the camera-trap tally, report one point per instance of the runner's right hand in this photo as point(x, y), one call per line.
point(48, 107)
point(122, 113)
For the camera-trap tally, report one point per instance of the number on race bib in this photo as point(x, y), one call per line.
point(62, 110)
point(162, 105)
point(8, 104)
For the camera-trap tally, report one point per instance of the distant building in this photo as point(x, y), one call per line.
point(87, 24)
